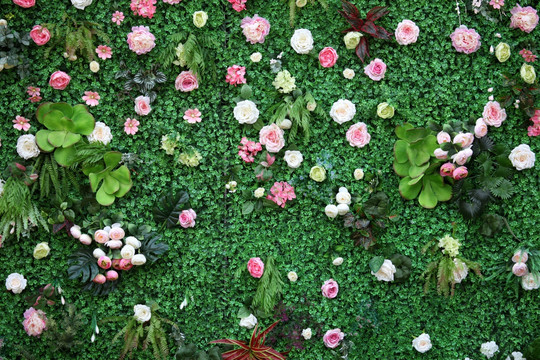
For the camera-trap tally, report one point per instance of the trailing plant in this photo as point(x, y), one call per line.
point(64, 336)
point(190, 351)
point(269, 291)
point(294, 8)
point(53, 179)
point(167, 210)
point(144, 82)
point(365, 26)
point(12, 47)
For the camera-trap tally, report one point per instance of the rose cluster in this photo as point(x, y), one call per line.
point(530, 280)
point(343, 199)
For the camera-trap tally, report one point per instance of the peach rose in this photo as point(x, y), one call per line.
point(330, 289)
point(520, 269)
point(440, 154)
point(460, 173)
point(272, 136)
point(465, 40)
point(141, 40)
point(332, 338)
point(101, 236)
point(462, 156)
point(40, 35)
point(443, 137)
point(407, 32)
point(465, 139)
point(25, 3)
point(59, 80)
point(357, 135)
point(187, 218)
point(480, 129)
point(328, 57)
point(520, 256)
point(117, 233)
point(375, 70)
point(255, 29)
point(186, 81)
point(493, 114)
point(255, 267)
point(142, 105)
point(524, 18)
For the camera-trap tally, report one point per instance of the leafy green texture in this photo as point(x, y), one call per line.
point(83, 265)
point(167, 210)
point(270, 289)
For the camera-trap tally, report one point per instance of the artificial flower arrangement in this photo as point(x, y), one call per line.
point(113, 253)
point(12, 45)
point(174, 209)
point(144, 83)
point(523, 268)
point(296, 5)
point(449, 268)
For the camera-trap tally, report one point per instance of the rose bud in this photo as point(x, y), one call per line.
point(520, 269)
point(75, 231)
point(112, 275)
point(101, 236)
point(447, 169)
point(85, 239)
point(116, 264)
point(100, 279)
point(114, 244)
point(131, 240)
point(104, 262)
point(460, 173)
point(117, 233)
point(98, 253)
point(125, 264)
point(520, 256)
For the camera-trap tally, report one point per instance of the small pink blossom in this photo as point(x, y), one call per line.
point(235, 75)
point(447, 169)
point(144, 8)
point(33, 91)
point(255, 267)
point(273, 137)
point(238, 5)
point(118, 17)
point(104, 52)
point(248, 149)
point(357, 135)
point(460, 173)
point(142, 105)
point(281, 193)
point(186, 81)
point(330, 289)
point(172, 2)
point(328, 57)
point(496, 3)
point(375, 70)
point(520, 269)
point(465, 40)
point(332, 338)
point(21, 123)
point(528, 55)
point(91, 98)
point(35, 98)
point(187, 218)
point(192, 116)
point(534, 129)
point(131, 126)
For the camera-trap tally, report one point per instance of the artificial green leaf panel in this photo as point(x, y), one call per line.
point(415, 163)
point(65, 126)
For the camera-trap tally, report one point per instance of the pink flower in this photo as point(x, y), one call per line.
point(465, 40)
point(118, 17)
point(534, 130)
point(248, 149)
point(238, 5)
point(328, 57)
point(332, 338)
point(464, 139)
point(272, 136)
point(25, 3)
point(375, 70)
point(186, 81)
point(520, 269)
point(141, 40)
point(255, 267)
point(104, 52)
point(462, 156)
point(281, 192)
point(21, 123)
point(520, 256)
point(357, 135)
point(172, 2)
point(33, 91)
point(116, 264)
point(104, 262)
point(447, 169)
point(440, 154)
point(40, 35)
point(235, 75)
point(100, 279)
point(35, 322)
point(111, 275)
point(91, 98)
point(187, 218)
point(493, 114)
point(35, 99)
point(460, 173)
point(443, 137)
point(255, 29)
point(59, 80)
point(496, 3)
point(131, 126)
point(117, 233)
point(192, 116)
point(330, 289)
point(101, 236)
point(525, 18)
point(407, 32)
point(527, 55)
point(142, 105)
point(125, 264)
point(144, 8)
point(480, 129)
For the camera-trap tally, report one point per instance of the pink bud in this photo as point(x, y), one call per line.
point(116, 264)
point(33, 177)
point(520, 269)
point(111, 275)
point(460, 173)
point(125, 264)
point(20, 167)
point(440, 154)
point(520, 256)
point(104, 262)
point(85, 239)
point(100, 279)
point(447, 169)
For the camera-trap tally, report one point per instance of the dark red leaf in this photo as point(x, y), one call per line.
point(369, 27)
point(355, 22)
point(350, 9)
point(376, 13)
point(235, 354)
point(58, 227)
point(362, 50)
point(382, 33)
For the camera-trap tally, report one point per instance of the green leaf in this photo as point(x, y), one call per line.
point(400, 151)
point(56, 138)
point(65, 156)
point(112, 158)
point(83, 264)
point(42, 142)
point(427, 197)
point(416, 171)
point(248, 207)
point(71, 139)
point(103, 198)
point(401, 130)
point(110, 185)
point(168, 208)
point(402, 169)
point(55, 120)
point(151, 248)
point(376, 263)
point(122, 174)
point(409, 192)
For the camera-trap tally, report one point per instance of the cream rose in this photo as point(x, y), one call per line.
point(307, 333)
point(338, 261)
point(97, 253)
point(101, 133)
point(351, 39)
point(422, 343)
point(200, 18)
point(81, 4)
point(386, 272)
point(480, 129)
point(385, 110)
point(531, 281)
point(16, 283)
point(246, 112)
point(248, 322)
point(348, 73)
point(527, 73)
point(342, 209)
point(522, 157)
point(133, 241)
point(462, 156)
point(27, 147)
point(343, 197)
point(127, 252)
point(460, 271)
point(331, 211)
point(285, 124)
point(292, 276)
point(259, 193)
point(41, 250)
point(358, 174)
point(256, 57)
point(343, 111)
point(502, 52)
point(138, 260)
point(443, 137)
point(75, 231)
point(142, 313)
point(293, 158)
point(302, 41)
point(94, 66)
point(465, 139)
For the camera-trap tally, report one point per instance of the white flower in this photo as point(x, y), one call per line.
point(338, 261)
point(259, 193)
point(531, 281)
point(422, 343)
point(285, 124)
point(2, 182)
point(293, 158)
point(386, 273)
point(142, 313)
point(200, 18)
point(522, 157)
point(248, 322)
point(132, 240)
point(101, 133)
point(75, 231)
point(246, 112)
point(256, 57)
point(331, 211)
point(343, 197)
point(302, 41)
point(292, 276)
point(489, 349)
point(358, 174)
point(138, 259)
point(460, 271)
point(184, 303)
point(27, 147)
point(462, 156)
point(351, 39)
point(98, 253)
point(342, 111)
point(94, 66)
point(516, 356)
point(15, 282)
point(81, 4)
point(342, 209)
point(348, 73)
point(127, 252)
point(114, 244)
point(85, 239)
point(306, 333)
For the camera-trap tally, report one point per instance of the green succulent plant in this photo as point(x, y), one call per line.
point(65, 126)
point(115, 181)
point(415, 162)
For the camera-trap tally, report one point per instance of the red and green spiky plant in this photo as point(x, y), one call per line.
point(367, 25)
point(255, 350)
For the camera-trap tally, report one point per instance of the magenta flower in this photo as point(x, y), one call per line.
point(104, 52)
point(144, 8)
point(235, 75)
point(281, 193)
point(33, 91)
point(248, 149)
point(238, 5)
point(35, 98)
point(496, 3)
point(118, 17)
point(131, 126)
point(534, 130)
point(527, 55)
point(192, 116)
point(21, 123)
point(91, 98)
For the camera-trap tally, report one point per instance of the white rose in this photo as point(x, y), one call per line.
point(132, 240)
point(292, 276)
point(462, 156)
point(293, 158)
point(460, 271)
point(331, 211)
point(285, 124)
point(256, 57)
point(248, 322)
point(94, 66)
point(531, 281)
point(246, 112)
point(342, 111)
point(75, 231)
point(259, 193)
point(27, 147)
point(443, 137)
point(302, 41)
point(480, 129)
point(348, 73)
point(85, 239)
point(98, 253)
point(358, 174)
point(338, 261)
point(114, 244)
point(138, 259)
point(127, 252)
point(465, 139)
point(422, 343)
point(343, 197)
point(342, 209)
point(306, 333)
point(142, 313)
point(81, 4)
point(522, 157)
point(489, 349)
point(101, 133)
point(386, 272)
point(311, 106)
point(15, 282)
point(3, 22)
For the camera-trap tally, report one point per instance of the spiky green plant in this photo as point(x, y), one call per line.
point(270, 289)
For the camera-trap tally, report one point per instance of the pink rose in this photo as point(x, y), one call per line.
point(330, 289)
point(104, 262)
point(328, 57)
point(100, 279)
point(440, 154)
point(141, 40)
point(255, 267)
point(375, 70)
point(480, 129)
point(462, 156)
point(520, 256)
point(111, 275)
point(255, 29)
point(443, 137)
point(101, 236)
point(116, 264)
point(117, 233)
point(465, 139)
point(460, 173)
point(407, 32)
point(25, 3)
point(525, 18)
point(357, 135)
point(520, 269)
point(272, 136)
point(40, 35)
point(187, 218)
point(59, 80)
point(493, 114)
point(35, 322)
point(447, 169)
point(125, 264)
point(186, 81)
point(142, 105)
point(332, 338)
point(465, 40)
